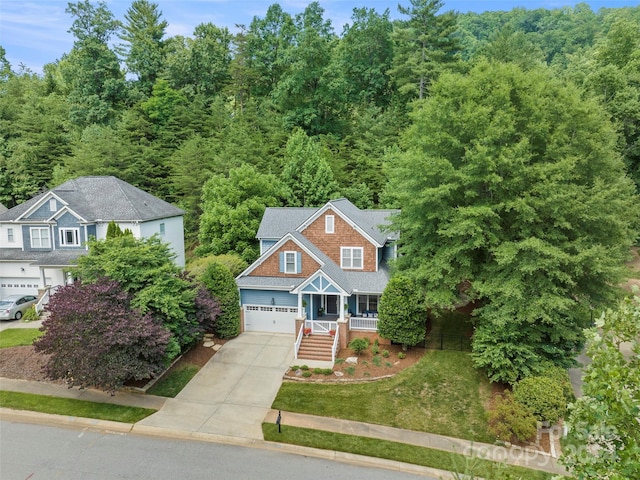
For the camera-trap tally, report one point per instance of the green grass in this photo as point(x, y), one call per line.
point(17, 337)
point(174, 381)
point(72, 407)
point(396, 451)
point(441, 394)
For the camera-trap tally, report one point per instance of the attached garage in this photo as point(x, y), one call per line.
point(269, 318)
point(19, 286)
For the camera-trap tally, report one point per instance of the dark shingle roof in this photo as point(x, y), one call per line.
point(104, 198)
point(53, 258)
point(278, 221)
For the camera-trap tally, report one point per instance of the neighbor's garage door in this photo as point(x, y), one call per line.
point(19, 286)
point(267, 318)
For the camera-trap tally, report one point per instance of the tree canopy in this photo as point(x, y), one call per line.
point(510, 180)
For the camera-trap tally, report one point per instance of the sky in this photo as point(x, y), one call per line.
point(35, 32)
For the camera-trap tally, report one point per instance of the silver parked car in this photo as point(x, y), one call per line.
point(14, 306)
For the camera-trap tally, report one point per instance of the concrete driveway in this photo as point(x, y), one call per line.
point(233, 392)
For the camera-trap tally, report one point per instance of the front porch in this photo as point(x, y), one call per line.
point(322, 339)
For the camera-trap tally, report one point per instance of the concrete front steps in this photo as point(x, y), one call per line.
point(316, 347)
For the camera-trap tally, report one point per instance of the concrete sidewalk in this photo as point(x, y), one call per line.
point(512, 456)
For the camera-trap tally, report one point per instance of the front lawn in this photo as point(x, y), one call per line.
point(441, 394)
point(18, 337)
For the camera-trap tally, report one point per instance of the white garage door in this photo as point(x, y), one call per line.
point(18, 286)
point(268, 318)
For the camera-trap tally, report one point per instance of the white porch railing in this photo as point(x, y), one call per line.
point(321, 327)
point(334, 347)
point(298, 340)
point(44, 299)
point(363, 323)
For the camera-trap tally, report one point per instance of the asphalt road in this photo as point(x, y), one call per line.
point(32, 452)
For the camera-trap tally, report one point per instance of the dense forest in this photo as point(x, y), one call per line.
point(293, 110)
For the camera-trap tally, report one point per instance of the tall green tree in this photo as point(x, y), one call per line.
point(232, 208)
point(363, 57)
point(268, 42)
point(143, 48)
point(92, 71)
point(424, 45)
point(603, 423)
point(307, 175)
point(616, 81)
point(304, 98)
point(509, 180)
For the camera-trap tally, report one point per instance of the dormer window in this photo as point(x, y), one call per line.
point(53, 205)
point(329, 223)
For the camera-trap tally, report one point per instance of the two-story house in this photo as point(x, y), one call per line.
point(43, 237)
point(322, 266)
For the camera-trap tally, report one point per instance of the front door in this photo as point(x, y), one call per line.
point(331, 304)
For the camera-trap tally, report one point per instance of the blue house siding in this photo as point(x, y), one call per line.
point(264, 297)
point(91, 232)
point(43, 212)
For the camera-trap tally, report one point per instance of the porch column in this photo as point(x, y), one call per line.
point(311, 308)
point(300, 304)
point(43, 277)
point(341, 306)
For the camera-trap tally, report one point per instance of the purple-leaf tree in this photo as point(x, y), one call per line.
point(95, 339)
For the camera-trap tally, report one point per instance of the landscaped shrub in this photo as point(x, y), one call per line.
point(359, 345)
point(350, 370)
point(103, 342)
point(509, 419)
point(377, 361)
point(219, 281)
point(31, 315)
point(561, 377)
point(385, 353)
point(307, 374)
point(401, 313)
point(375, 349)
point(543, 396)
point(402, 355)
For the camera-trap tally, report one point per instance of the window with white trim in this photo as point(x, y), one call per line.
point(69, 237)
point(10, 238)
point(162, 229)
point(40, 238)
point(290, 262)
point(351, 257)
point(53, 205)
point(329, 221)
point(368, 303)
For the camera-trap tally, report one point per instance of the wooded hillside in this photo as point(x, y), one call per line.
point(317, 109)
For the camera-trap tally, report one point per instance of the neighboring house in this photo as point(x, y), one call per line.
point(43, 237)
point(318, 268)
